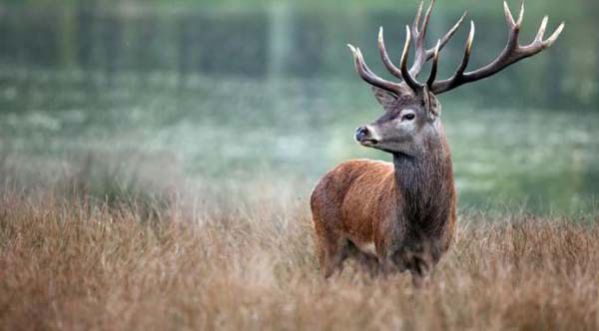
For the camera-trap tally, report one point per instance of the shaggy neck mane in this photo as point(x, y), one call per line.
point(425, 187)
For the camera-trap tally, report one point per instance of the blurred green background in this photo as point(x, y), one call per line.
point(158, 95)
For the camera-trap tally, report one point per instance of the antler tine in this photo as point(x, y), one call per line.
point(452, 82)
point(427, 18)
point(511, 54)
point(445, 39)
point(407, 76)
point(539, 42)
point(367, 75)
point(433, 74)
point(521, 15)
point(542, 28)
point(385, 56)
point(418, 14)
point(419, 34)
point(554, 35)
point(468, 50)
point(423, 55)
point(514, 26)
point(508, 15)
point(549, 41)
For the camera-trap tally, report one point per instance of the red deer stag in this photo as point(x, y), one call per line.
point(402, 215)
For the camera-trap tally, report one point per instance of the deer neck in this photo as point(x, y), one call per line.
point(425, 185)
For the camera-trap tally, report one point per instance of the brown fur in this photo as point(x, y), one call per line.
point(407, 209)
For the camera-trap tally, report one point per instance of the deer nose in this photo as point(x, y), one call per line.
point(366, 135)
point(362, 133)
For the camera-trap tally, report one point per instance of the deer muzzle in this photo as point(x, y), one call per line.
point(367, 136)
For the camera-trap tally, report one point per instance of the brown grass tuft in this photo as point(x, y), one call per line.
point(250, 265)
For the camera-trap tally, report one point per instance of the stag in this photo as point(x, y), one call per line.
point(402, 216)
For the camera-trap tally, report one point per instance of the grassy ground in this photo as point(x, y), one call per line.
point(234, 261)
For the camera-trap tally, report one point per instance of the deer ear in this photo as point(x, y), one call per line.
point(431, 103)
point(434, 105)
point(385, 98)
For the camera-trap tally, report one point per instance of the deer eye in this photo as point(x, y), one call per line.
point(408, 117)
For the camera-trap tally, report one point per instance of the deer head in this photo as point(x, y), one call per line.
point(411, 119)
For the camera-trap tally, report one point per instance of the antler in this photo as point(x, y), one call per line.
point(367, 74)
point(423, 55)
point(419, 34)
point(512, 53)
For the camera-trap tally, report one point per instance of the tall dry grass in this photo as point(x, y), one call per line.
point(238, 262)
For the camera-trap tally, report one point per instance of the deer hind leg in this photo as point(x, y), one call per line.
point(332, 253)
point(332, 248)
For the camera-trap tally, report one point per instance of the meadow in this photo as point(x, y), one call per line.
point(246, 262)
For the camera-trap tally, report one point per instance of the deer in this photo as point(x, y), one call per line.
point(401, 216)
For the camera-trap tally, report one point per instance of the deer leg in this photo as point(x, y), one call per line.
point(335, 255)
point(332, 252)
point(387, 265)
point(369, 263)
point(420, 280)
point(421, 271)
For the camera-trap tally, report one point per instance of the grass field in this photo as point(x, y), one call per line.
point(245, 261)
